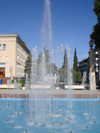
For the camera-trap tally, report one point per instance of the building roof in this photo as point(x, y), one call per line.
point(19, 40)
point(85, 60)
point(8, 35)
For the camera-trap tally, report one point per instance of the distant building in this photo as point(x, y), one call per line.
point(13, 54)
point(97, 64)
point(84, 65)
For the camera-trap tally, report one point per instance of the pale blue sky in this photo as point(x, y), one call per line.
point(72, 22)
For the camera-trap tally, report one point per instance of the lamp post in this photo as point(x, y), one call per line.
point(92, 67)
point(91, 44)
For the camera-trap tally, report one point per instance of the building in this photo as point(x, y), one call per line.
point(97, 64)
point(84, 66)
point(13, 54)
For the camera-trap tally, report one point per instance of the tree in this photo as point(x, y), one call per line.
point(43, 63)
point(97, 9)
point(76, 71)
point(47, 56)
point(75, 65)
point(77, 76)
point(50, 68)
point(95, 36)
point(64, 69)
point(28, 64)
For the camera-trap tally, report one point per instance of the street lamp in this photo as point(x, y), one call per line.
point(91, 43)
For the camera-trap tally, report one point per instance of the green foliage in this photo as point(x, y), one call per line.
point(39, 62)
point(95, 36)
point(75, 65)
point(61, 75)
point(22, 83)
point(12, 81)
point(97, 9)
point(47, 56)
point(64, 69)
point(50, 67)
point(77, 77)
point(76, 72)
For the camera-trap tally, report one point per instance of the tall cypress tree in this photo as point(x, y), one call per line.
point(76, 72)
point(65, 68)
point(75, 65)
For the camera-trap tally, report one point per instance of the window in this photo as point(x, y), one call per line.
point(96, 58)
point(0, 47)
point(2, 65)
point(96, 64)
point(4, 46)
point(96, 52)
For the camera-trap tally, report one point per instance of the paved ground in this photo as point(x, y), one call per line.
point(49, 93)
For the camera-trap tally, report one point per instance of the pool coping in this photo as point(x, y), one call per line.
point(63, 94)
point(49, 99)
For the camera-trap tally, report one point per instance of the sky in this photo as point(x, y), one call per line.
point(72, 22)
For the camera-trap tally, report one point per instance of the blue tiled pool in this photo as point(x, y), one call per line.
point(49, 116)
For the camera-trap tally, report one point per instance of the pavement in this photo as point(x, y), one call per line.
point(61, 93)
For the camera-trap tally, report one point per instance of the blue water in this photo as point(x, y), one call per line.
point(49, 116)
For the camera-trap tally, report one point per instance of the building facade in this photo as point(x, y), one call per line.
point(13, 55)
point(97, 64)
point(84, 66)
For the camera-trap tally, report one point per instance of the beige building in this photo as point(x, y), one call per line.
point(13, 54)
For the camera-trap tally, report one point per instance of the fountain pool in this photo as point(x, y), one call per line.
point(55, 116)
point(42, 112)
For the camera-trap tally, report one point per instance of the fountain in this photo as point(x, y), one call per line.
point(42, 79)
point(43, 112)
point(84, 79)
point(41, 76)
